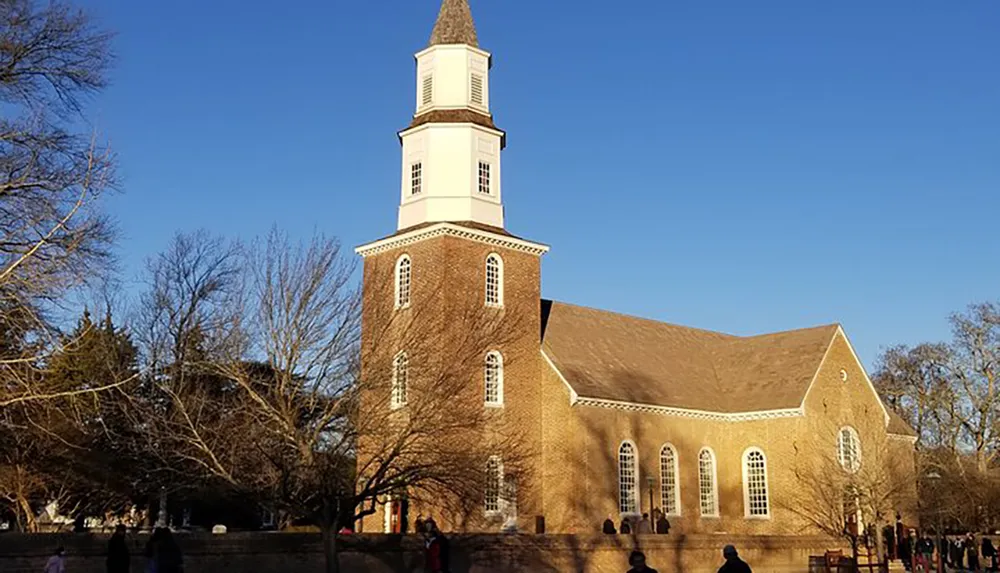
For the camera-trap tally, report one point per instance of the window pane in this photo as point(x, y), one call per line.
point(668, 481)
point(706, 483)
point(627, 479)
point(756, 472)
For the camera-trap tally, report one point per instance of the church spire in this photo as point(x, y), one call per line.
point(454, 25)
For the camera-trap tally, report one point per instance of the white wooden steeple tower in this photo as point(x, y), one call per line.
point(451, 150)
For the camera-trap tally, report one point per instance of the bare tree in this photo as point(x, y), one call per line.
point(284, 413)
point(53, 237)
point(858, 485)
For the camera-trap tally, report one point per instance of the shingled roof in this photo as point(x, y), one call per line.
point(610, 356)
point(455, 25)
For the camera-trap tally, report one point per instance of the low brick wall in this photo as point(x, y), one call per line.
point(302, 553)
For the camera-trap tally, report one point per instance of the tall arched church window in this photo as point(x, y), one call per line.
point(400, 379)
point(755, 495)
point(708, 492)
point(849, 449)
point(493, 378)
point(670, 499)
point(494, 280)
point(628, 479)
point(404, 279)
point(494, 481)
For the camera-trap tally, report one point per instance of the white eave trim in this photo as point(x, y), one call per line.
point(451, 230)
point(693, 414)
point(577, 400)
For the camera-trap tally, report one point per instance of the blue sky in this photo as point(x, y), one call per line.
point(737, 166)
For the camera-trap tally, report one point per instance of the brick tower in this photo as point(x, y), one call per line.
point(451, 292)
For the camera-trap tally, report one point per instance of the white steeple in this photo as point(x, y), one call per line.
point(451, 150)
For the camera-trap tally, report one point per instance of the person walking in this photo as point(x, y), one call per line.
point(733, 562)
point(637, 560)
point(608, 528)
point(57, 562)
point(119, 558)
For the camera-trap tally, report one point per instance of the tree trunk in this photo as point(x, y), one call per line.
point(330, 549)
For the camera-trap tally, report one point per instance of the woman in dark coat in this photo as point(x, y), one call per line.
point(119, 559)
point(167, 554)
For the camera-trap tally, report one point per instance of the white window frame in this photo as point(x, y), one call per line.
point(398, 398)
point(637, 484)
point(498, 403)
point(485, 178)
point(498, 303)
point(856, 461)
point(404, 293)
point(676, 490)
point(498, 507)
point(416, 178)
point(746, 485)
point(715, 484)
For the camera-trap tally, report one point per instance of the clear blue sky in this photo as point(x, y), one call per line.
point(738, 166)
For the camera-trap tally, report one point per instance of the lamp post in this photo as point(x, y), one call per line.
point(934, 478)
point(650, 482)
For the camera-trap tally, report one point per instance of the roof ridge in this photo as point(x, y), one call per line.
point(643, 318)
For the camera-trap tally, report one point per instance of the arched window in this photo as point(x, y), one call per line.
point(400, 378)
point(404, 274)
point(670, 499)
point(755, 498)
point(628, 479)
point(494, 480)
point(849, 449)
point(494, 280)
point(707, 490)
point(493, 377)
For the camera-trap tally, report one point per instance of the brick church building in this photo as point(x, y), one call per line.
point(618, 415)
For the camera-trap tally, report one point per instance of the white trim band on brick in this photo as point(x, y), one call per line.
point(694, 414)
point(451, 230)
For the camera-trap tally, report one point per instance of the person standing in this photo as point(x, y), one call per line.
point(167, 554)
point(436, 551)
point(662, 525)
point(119, 558)
point(644, 526)
point(608, 528)
point(56, 563)
point(733, 562)
point(625, 528)
point(989, 554)
point(637, 560)
point(972, 552)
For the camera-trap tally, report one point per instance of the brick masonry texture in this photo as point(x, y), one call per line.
point(302, 553)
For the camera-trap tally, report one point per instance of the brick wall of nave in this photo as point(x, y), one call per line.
point(581, 456)
point(448, 292)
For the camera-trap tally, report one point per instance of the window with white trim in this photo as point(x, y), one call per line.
point(416, 178)
point(427, 90)
point(484, 178)
point(669, 495)
point(476, 89)
point(628, 479)
point(849, 449)
point(755, 497)
point(400, 378)
point(404, 278)
point(493, 378)
point(494, 481)
point(494, 280)
point(707, 490)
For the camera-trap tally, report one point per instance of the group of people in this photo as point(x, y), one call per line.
point(437, 552)
point(162, 554)
point(734, 564)
point(961, 553)
point(645, 526)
